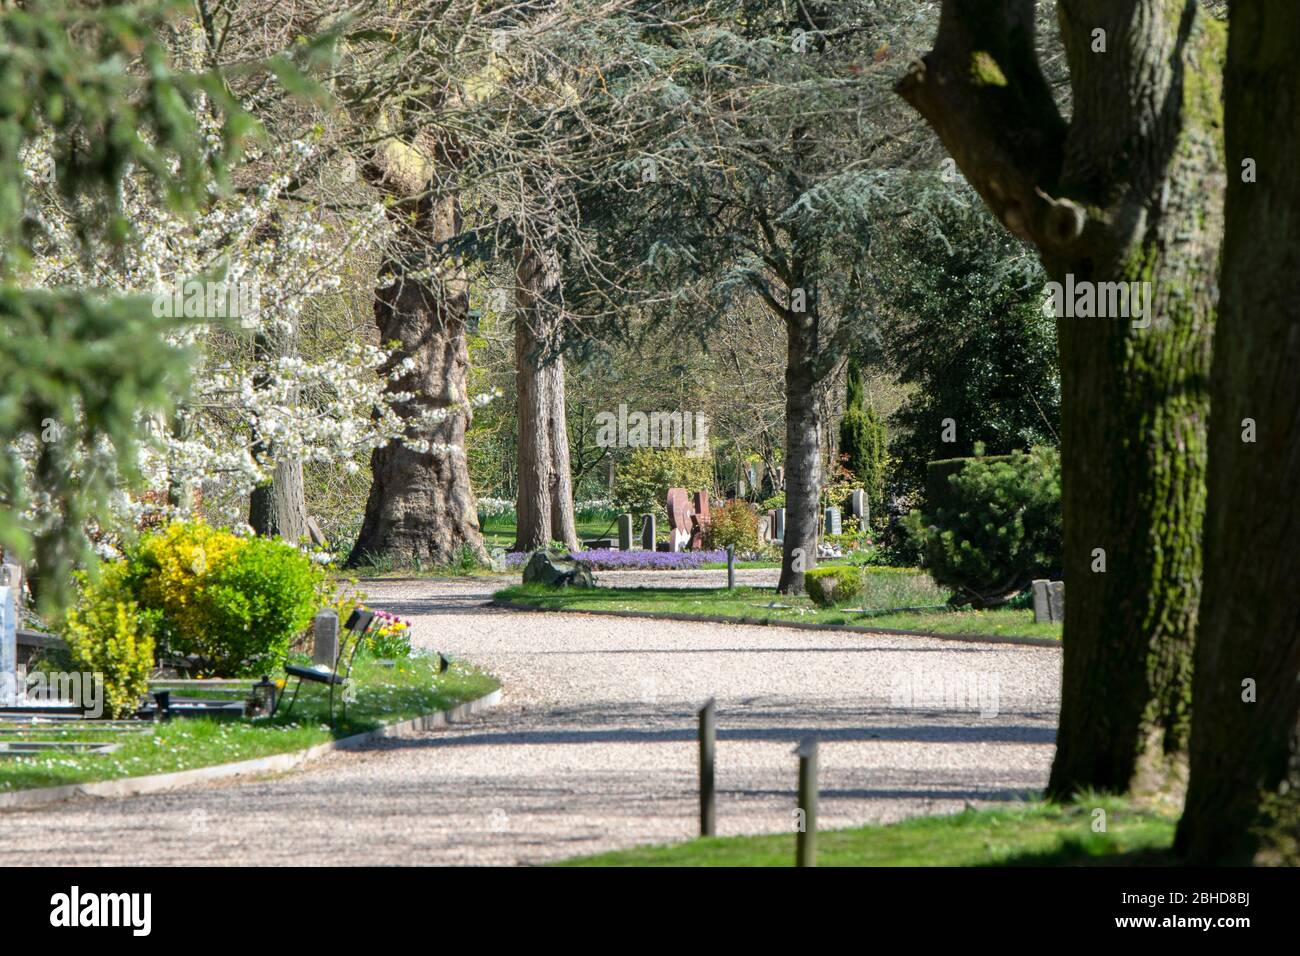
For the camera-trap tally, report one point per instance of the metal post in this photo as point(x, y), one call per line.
point(708, 736)
point(731, 567)
point(806, 837)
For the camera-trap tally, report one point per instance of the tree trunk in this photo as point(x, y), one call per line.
point(1243, 799)
point(803, 459)
point(279, 507)
point(421, 507)
point(544, 506)
point(563, 525)
point(533, 455)
point(1129, 191)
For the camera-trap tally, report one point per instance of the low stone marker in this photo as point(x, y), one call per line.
point(1056, 600)
point(1049, 601)
point(778, 524)
point(325, 638)
point(648, 532)
point(834, 523)
point(11, 581)
point(625, 533)
point(858, 504)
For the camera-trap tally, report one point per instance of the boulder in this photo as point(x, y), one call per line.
point(557, 570)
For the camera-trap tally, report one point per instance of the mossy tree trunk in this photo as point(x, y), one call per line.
point(1128, 191)
point(1243, 800)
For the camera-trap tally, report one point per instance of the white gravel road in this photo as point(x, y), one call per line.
point(593, 747)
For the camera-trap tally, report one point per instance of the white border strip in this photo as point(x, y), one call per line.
point(274, 763)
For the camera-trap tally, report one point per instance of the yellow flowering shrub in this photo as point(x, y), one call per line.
point(231, 604)
point(170, 568)
point(110, 636)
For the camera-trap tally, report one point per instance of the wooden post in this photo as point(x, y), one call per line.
point(731, 567)
point(806, 837)
point(708, 736)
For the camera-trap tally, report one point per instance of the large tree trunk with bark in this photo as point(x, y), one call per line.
point(803, 457)
point(278, 507)
point(421, 507)
point(544, 504)
point(1129, 191)
point(1243, 800)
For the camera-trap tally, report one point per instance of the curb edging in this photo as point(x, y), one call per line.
point(272, 763)
point(796, 625)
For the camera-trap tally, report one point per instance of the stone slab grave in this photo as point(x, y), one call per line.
point(648, 530)
point(10, 600)
point(325, 638)
point(1049, 601)
point(777, 516)
point(626, 541)
point(833, 522)
point(858, 506)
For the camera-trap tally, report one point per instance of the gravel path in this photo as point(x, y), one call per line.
point(593, 747)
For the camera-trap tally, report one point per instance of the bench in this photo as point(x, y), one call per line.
point(358, 624)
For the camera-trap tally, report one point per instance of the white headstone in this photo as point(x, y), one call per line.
point(8, 646)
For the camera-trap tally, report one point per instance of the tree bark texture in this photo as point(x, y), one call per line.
point(544, 504)
point(1243, 801)
point(1129, 190)
point(803, 456)
point(421, 507)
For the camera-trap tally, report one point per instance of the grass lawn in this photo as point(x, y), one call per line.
point(499, 532)
point(383, 695)
point(1036, 834)
point(751, 604)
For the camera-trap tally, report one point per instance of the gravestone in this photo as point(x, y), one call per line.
point(858, 505)
point(764, 529)
point(599, 544)
point(648, 532)
point(1056, 600)
point(778, 524)
point(11, 580)
point(679, 519)
point(1042, 609)
point(325, 638)
point(834, 524)
point(625, 533)
point(699, 520)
